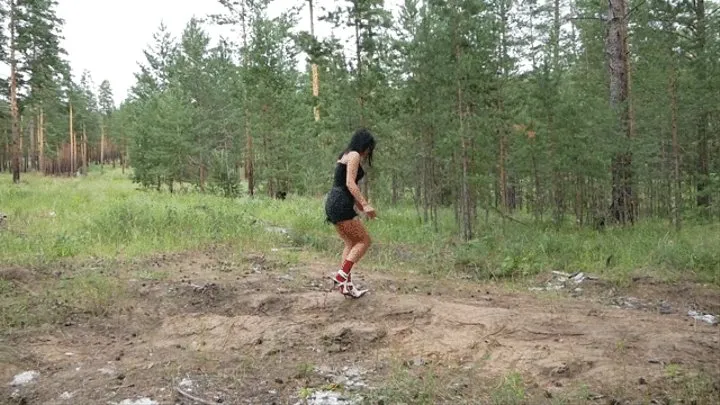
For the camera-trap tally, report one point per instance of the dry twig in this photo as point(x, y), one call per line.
point(193, 398)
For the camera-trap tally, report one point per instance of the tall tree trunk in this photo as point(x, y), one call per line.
point(677, 208)
point(32, 152)
point(428, 171)
point(465, 203)
point(466, 194)
point(425, 186)
point(14, 112)
point(84, 152)
point(502, 153)
point(102, 146)
point(556, 192)
point(4, 155)
point(314, 67)
point(124, 155)
point(267, 166)
point(669, 186)
point(249, 169)
point(41, 141)
point(421, 194)
point(579, 200)
point(703, 167)
point(538, 203)
point(73, 162)
point(502, 133)
point(622, 208)
point(358, 54)
point(23, 159)
point(202, 177)
point(472, 168)
point(365, 185)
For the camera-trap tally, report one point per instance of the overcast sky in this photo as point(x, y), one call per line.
point(107, 37)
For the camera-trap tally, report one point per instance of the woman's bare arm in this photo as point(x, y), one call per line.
point(353, 162)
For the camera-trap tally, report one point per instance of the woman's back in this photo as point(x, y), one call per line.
point(341, 174)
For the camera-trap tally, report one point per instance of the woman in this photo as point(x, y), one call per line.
point(343, 199)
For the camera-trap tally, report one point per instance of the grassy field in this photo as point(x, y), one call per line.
point(105, 216)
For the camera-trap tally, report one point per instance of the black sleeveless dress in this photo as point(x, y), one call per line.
point(339, 203)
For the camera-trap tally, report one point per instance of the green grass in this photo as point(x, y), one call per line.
point(405, 386)
point(106, 216)
point(512, 250)
point(510, 391)
point(616, 253)
point(433, 384)
point(88, 292)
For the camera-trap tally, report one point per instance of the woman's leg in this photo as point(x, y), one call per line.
point(357, 241)
point(344, 273)
point(348, 246)
point(356, 232)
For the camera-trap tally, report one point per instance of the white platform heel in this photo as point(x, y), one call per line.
point(347, 288)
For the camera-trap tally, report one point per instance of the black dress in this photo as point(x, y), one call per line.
point(339, 205)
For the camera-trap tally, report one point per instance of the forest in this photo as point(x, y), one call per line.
point(569, 112)
point(545, 171)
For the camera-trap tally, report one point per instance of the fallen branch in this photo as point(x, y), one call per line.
point(500, 329)
point(399, 313)
point(554, 333)
point(467, 323)
point(462, 322)
point(193, 398)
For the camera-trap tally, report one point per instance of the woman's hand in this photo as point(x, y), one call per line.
point(369, 211)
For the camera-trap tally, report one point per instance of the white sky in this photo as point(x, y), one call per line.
point(107, 37)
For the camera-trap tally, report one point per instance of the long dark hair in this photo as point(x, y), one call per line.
point(361, 141)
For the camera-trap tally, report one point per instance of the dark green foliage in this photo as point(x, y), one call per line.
point(465, 96)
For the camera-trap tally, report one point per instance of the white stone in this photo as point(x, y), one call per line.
point(25, 377)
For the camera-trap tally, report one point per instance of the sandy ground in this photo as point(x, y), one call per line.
point(243, 328)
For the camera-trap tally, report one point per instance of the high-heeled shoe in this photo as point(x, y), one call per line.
point(343, 281)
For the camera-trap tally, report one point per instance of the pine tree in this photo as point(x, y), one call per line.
point(37, 68)
point(464, 124)
point(107, 107)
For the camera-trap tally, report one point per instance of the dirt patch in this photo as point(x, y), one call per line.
point(245, 327)
point(16, 274)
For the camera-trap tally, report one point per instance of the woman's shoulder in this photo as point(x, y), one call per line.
point(348, 157)
point(352, 155)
